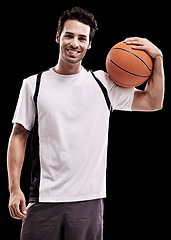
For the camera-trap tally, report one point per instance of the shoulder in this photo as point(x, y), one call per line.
point(30, 82)
point(108, 83)
point(105, 79)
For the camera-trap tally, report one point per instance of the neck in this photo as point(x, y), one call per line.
point(65, 68)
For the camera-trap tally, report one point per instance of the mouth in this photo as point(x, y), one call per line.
point(73, 52)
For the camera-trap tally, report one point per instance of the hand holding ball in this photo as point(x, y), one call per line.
point(128, 67)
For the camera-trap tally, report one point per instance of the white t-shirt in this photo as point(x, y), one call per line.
point(73, 122)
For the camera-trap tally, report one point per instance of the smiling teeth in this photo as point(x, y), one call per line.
point(72, 51)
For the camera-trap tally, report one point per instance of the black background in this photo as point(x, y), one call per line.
point(138, 152)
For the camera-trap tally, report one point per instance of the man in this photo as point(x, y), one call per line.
point(68, 179)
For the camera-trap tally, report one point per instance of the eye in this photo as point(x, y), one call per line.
point(68, 36)
point(82, 39)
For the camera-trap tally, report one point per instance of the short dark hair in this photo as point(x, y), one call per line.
point(81, 15)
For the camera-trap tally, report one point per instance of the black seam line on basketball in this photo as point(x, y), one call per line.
point(126, 70)
point(127, 85)
point(135, 56)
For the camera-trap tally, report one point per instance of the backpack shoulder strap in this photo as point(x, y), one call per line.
point(37, 88)
point(104, 90)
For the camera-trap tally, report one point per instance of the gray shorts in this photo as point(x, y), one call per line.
point(64, 221)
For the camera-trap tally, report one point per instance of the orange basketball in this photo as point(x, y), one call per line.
point(128, 67)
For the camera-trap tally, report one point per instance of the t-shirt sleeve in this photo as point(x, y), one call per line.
point(121, 98)
point(25, 110)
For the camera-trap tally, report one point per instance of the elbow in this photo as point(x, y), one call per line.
point(156, 107)
point(156, 103)
point(160, 107)
point(159, 104)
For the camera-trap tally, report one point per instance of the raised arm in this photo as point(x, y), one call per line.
point(15, 158)
point(151, 99)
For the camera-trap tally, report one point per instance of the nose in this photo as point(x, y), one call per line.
point(74, 43)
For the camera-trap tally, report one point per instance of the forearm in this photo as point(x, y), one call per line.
point(15, 156)
point(155, 86)
point(151, 99)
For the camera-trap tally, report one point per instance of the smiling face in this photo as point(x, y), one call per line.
point(74, 41)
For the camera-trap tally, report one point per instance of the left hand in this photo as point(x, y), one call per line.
point(144, 44)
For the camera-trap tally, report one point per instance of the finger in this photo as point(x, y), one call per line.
point(16, 212)
point(134, 41)
point(19, 214)
point(139, 47)
point(11, 212)
point(23, 207)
